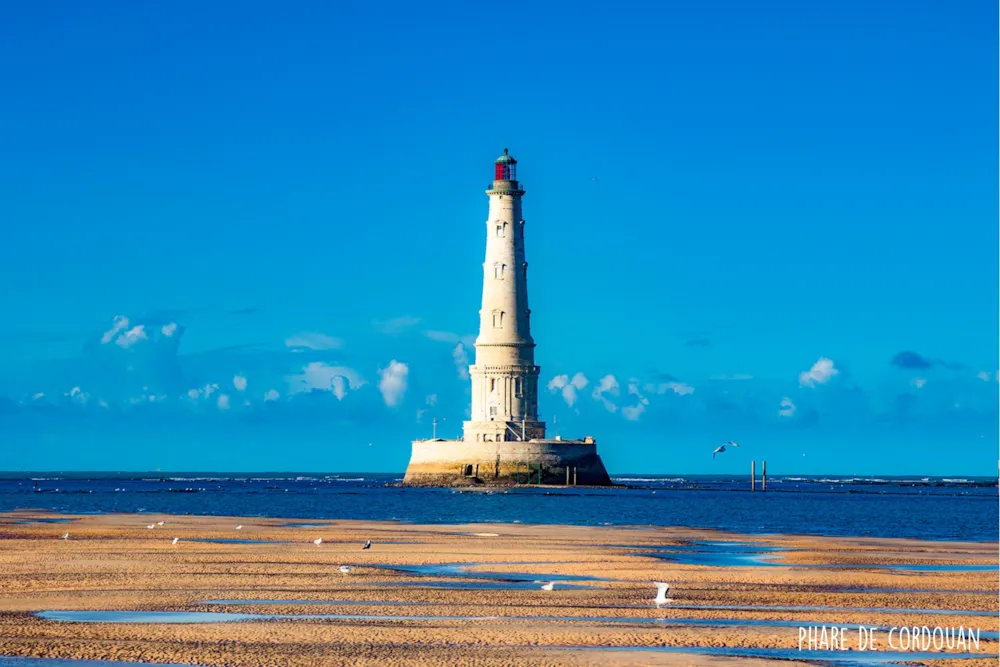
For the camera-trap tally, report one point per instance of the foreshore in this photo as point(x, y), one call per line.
point(728, 591)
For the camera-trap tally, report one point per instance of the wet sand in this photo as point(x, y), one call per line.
point(114, 562)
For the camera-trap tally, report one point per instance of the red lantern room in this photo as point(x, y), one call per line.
point(506, 168)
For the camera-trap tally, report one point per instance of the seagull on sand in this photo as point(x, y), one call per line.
point(549, 586)
point(239, 527)
point(174, 541)
point(151, 526)
point(318, 541)
point(661, 592)
point(159, 523)
point(368, 545)
point(65, 536)
point(345, 569)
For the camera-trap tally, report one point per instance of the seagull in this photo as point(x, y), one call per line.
point(318, 541)
point(718, 450)
point(151, 526)
point(159, 523)
point(549, 586)
point(239, 527)
point(730, 442)
point(174, 541)
point(368, 545)
point(65, 536)
point(345, 569)
point(661, 592)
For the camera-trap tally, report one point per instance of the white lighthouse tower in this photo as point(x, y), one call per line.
point(504, 377)
point(504, 442)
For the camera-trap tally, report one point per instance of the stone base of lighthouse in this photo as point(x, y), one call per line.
point(460, 463)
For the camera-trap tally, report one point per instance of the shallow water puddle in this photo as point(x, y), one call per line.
point(232, 540)
point(80, 616)
point(888, 610)
point(460, 570)
point(717, 553)
point(839, 658)
point(12, 661)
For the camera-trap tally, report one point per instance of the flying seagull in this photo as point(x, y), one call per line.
point(345, 569)
point(174, 541)
point(730, 442)
point(318, 541)
point(65, 536)
point(718, 450)
point(549, 586)
point(661, 592)
point(368, 545)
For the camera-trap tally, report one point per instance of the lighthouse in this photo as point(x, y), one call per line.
point(504, 442)
point(504, 377)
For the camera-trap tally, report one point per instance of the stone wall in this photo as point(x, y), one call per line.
point(452, 462)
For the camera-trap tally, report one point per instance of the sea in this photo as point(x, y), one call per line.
point(934, 508)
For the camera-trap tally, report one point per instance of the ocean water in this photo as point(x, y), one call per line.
point(926, 508)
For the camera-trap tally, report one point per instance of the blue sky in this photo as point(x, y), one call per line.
point(772, 222)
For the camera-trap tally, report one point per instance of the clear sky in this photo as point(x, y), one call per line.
point(773, 222)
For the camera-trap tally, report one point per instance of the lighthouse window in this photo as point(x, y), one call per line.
point(499, 231)
point(493, 384)
point(517, 387)
point(497, 319)
point(498, 270)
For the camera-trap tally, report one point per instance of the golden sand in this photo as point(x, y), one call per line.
point(114, 562)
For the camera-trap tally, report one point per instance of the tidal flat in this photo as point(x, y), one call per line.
point(471, 594)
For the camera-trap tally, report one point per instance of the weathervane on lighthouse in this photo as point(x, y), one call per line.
point(503, 440)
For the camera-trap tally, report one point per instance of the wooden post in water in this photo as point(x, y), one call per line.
point(574, 475)
point(567, 475)
point(763, 476)
point(753, 475)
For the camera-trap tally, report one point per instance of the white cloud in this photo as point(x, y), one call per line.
point(919, 382)
point(120, 322)
point(568, 387)
point(131, 337)
point(461, 358)
point(984, 376)
point(393, 382)
point(786, 408)
point(679, 388)
point(321, 377)
point(311, 340)
point(820, 373)
point(240, 382)
point(633, 412)
point(169, 329)
point(397, 325)
point(449, 337)
point(223, 402)
point(607, 385)
point(338, 385)
point(204, 392)
point(39, 396)
point(77, 395)
point(271, 395)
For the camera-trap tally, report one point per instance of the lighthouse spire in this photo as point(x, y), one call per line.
point(504, 377)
